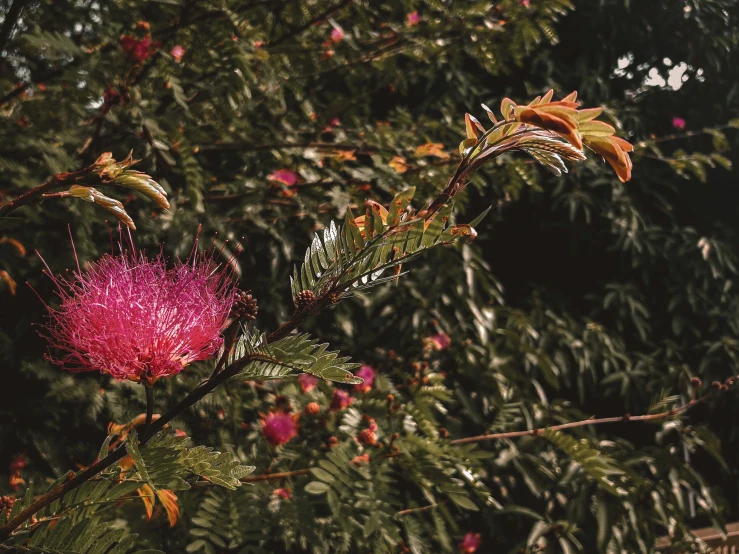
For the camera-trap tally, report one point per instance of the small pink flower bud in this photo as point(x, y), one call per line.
point(177, 53)
point(337, 35)
point(368, 374)
point(340, 400)
point(470, 543)
point(285, 176)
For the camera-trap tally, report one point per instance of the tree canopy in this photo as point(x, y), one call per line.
point(294, 133)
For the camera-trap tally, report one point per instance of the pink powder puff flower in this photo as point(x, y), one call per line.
point(128, 43)
point(368, 374)
point(340, 400)
point(413, 18)
point(279, 428)
point(285, 176)
point(337, 35)
point(440, 341)
point(525, 3)
point(132, 318)
point(307, 382)
point(177, 53)
point(138, 50)
point(335, 122)
point(470, 543)
point(283, 493)
point(678, 123)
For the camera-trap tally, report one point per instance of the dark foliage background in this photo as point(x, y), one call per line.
point(582, 296)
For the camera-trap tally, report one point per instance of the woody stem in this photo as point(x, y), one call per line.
point(149, 388)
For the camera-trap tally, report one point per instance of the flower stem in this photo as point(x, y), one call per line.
point(149, 388)
point(205, 388)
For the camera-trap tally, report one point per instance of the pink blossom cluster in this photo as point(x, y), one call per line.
point(279, 428)
point(138, 50)
point(133, 318)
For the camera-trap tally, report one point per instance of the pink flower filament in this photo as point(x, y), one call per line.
point(133, 318)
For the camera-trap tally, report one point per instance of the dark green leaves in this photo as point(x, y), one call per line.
point(292, 354)
point(357, 255)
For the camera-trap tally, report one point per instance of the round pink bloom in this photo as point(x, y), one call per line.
point(678, 123)
point(440, 341)
point(307, 382)
point(340, 400)
point(283, 493)
point(177, 53)
point(286, 176)
point(470, 543)
point(413, 18)
point(368, 374)
point(133, 318)
point(337, 35)
point(525, 3)
point(279, 428)
point(138, 50)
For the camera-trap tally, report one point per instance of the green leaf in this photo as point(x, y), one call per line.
point(316, 487)
point(463, 502)
point(132, 447)
point(292, 354)
point(475, 222)
point(322, 474)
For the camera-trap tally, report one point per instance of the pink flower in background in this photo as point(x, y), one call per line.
point(470, 543)
point(15, 469)
point(368, 374)
point(307, 382)
point(133, 318)
point(413, 18)
point(340, 400)
point(285, 176)
point(138, 50)
point(283, 493)
point(335, 122)
point(678, 123)
point(440, 341)
point(279, 428)
point(128, 43)
point(177, 53)
point(525, 3)
point(337, 35)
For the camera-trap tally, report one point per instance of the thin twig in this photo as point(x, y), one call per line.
point(18, 90)
point(58, 180)
point(274, 476)
point(416, 510)
point(597, 421)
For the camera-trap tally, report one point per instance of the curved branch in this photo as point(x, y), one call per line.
point(205, 388)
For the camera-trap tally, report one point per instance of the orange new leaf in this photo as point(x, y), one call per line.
point(561, 124)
